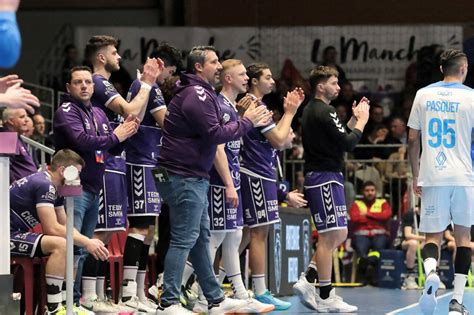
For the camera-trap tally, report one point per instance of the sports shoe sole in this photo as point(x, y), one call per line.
point(303, 295)
point(428, 300)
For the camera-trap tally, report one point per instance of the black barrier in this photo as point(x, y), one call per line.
point(289, 249)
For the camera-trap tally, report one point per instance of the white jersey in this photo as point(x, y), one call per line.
point(444, 113)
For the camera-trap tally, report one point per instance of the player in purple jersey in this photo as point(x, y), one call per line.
point(144, 202)
point(102, 53)
point(258, 177)
point(85, 129)
point(33, 201)
point(325, 139)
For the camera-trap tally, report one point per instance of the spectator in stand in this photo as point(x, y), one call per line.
point(22, 164)
point(330, 60)
point(377, 135)
point(39, 128)
point(376, 117)
point(369, 218)
point(409, 241)
point(341, 111)
point(71, 59)
point(396, 172)
point(347, 96)
point(398, 132)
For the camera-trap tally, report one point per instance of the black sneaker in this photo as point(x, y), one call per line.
point(455, 308)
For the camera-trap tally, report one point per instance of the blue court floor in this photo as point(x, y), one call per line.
point(377, 301)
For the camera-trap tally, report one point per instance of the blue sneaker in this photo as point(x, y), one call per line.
point(268, 298)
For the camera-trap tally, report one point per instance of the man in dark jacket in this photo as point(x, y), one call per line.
point(191, 132)
point(85, 129)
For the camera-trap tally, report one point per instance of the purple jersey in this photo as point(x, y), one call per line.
point(22, 164)
point(143, 147)
point(26, 195)
point(85, 130)
point(193, 129)
point(232, 148)
point(104, 93)
point(257, 155)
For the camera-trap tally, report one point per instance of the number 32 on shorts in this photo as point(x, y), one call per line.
point(441, 132)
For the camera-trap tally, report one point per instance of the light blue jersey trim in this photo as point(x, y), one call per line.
point(448, 85)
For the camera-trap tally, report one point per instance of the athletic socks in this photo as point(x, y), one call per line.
point(142, 272)
point(325, 287)
point(462, 263)
point(430, 255)
point(259, 285)
point(53, 291)
point(312, 272)
point(237, 286)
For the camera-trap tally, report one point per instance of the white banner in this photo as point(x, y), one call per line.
point(375, 53)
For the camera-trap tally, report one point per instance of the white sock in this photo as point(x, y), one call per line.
point(129, 290)
point(259, 285)
point(231, 259)
point(238, 287)
point(188, 271)
point(214, 243)
point(141, 285)
point(89, 287)
point(429, 264)
point(57, 281)
point(459, 284)
point(100, 288)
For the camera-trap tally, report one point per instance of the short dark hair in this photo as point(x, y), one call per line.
point(77, 68)
point(66, 157)
point(255, 71)
point(197, 55)
point(321, 74)
point(170, 55)
point(451, 61)
point(96, 43)
point(368, 183)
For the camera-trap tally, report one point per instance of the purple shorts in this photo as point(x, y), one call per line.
point(24, 243)
point(112, 203)
point(222, 215)
point(325, 194)
point(143, 197)
point(259, 201)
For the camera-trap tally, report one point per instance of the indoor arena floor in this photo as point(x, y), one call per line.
point(377, 301)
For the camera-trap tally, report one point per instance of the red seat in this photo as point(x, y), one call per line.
point(116, 248)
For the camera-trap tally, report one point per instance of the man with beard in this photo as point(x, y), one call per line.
point(325, 139)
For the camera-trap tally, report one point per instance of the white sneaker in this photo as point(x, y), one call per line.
point(228, 305)
point(428, 299)
point(95, 305)
point(334, 304)
point(175, 309)
point(200, 307)
point(255, 306)
point(137, 305)
point(410, 283)
point(306, 292)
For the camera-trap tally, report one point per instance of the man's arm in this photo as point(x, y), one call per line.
point(381, 216)
point(222, 167)
point(278, 135)
point(135, 107)
point(68, 123)
point(414, 157)
point(49, 221)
